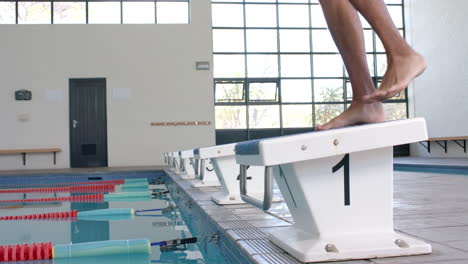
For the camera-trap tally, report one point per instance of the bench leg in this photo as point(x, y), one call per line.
point(342, 209)
point(55, 158)
point(24, 158)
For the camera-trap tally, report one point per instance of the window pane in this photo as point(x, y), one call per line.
point(264, 116)
point(172, 13)
point(349, 91)
point(294, 41)
point(318, 20)
point(231, 117)
point(328, 90)
point(104, 12)
point(396, 12)
point(322, 41)
point(296, 91)
point(326, 112)
point(231, 66)
point(293, 15)
point(328, 66)
point(260, 1)
point(228, 40)
point(297, 116)
point(229, 92)
point(69, 13)
point(381, 65)
point(294, 1)
point(295, 66)
point(260, 15)
point(7, 13)
point(369, 40)
point(264, 92)
point(364, 22)
point(225, 15)
point(395, 111)
point(262, 40)
point(138, 13)
point(34, 13)
point(262, 65)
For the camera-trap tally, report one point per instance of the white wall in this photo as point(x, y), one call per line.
point(437, 29)
point(152, 66)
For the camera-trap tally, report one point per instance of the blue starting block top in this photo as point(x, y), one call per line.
point(321, 144)
point(248, 147)
point(196, 151)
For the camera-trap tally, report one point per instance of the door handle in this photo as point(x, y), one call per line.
point(74, 123)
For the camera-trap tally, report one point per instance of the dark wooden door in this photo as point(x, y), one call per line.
point(88, 123)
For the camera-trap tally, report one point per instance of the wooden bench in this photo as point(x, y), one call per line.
point(442, 141)
point(23, 152)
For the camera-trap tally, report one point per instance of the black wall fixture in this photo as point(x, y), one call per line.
point(23, 95)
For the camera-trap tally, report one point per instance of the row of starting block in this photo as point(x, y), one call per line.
point(337, 184)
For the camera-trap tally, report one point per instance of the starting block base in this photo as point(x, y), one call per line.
point(307, 247)
point(223, 198)
point(201, 184)
point(186, 176)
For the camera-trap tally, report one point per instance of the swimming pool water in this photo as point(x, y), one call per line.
point(154, 226)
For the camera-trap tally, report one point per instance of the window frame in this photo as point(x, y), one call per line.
point(51, 21)
point(346, 101)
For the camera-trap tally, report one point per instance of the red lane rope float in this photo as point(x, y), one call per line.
point(70, 189)
point(114, 182)
point(26, 252)
point(45, 216)
point(89, 198)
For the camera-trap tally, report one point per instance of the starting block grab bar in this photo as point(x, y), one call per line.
point(338, 186)
point(268, 188)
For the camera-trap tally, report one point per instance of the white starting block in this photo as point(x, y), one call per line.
point(176, 161)
point(338, 185)
point(188, 164)
point(206, 176)
point(169, 159)
point(223, 158)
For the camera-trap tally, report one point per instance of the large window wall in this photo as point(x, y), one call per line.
point(95, 12)
point(276, 66)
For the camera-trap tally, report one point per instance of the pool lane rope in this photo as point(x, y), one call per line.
point(68, 189)
point(88, 215)
point(46, 251)
point(92, 198)
point(99, 188)
point(113, 182)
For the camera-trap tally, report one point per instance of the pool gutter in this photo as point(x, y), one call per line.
point(241, 240)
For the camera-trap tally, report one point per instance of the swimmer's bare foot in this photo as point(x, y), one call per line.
point(401, 71)
point(357, 113)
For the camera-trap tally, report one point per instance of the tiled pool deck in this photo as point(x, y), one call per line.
point(433, 207)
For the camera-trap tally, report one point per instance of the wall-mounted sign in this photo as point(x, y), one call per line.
point(23, 95)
